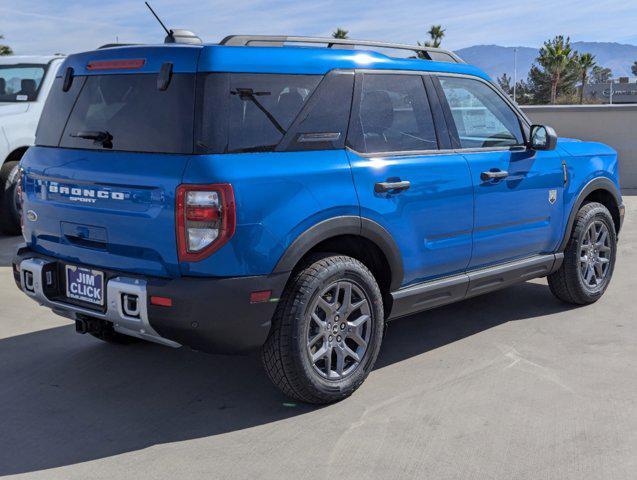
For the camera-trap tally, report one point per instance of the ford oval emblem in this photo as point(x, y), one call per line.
point(32, 216)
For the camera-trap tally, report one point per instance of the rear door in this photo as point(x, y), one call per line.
point(518, 191)
point(407, 178)
point(110, 202)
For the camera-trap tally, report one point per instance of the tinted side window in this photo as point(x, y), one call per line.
point(323, 123)
point(393, 115)
point(249, 112)
point(56, 111)
point(481, 116)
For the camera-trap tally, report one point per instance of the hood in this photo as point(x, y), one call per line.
point(579, 148)
point(7, 109)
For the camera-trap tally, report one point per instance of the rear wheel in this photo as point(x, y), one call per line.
point(589, 258)
point(326, 332)
point(9, 204)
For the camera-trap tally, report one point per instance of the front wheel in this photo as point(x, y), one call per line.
point(589, 258)
point(9, 202)
point(326, 332)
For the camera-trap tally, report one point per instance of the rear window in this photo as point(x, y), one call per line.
point(136, 115)
point(249, 112)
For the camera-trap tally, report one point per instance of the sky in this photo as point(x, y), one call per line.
point(67, 26)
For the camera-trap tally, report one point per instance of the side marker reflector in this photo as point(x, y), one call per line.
point(161, 301)
point(260, 297)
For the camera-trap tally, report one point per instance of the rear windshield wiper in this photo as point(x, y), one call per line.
point(250, 94)
point(99, 137)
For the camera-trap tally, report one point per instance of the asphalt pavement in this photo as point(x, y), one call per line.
point(512, 385)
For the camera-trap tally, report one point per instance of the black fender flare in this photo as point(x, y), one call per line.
point(345, 225)
point(599, 183)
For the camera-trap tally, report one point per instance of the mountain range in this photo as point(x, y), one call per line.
point(496, 60)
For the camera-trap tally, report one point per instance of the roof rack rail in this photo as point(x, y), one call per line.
point(113, 45)
point(435, 54)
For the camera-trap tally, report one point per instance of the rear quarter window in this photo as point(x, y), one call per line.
point(249, 112)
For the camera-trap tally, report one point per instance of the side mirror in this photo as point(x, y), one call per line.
point(543, 138)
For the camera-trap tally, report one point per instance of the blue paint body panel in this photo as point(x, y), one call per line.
point(139, 229)
point(217, 58)
point(432, 221)
point(514, 217)
point(278, 196)
point(447, 222)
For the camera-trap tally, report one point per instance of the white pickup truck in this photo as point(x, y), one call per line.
point(25, 82)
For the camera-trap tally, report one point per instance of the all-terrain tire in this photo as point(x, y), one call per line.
point(9, 213)
point(286, 354)
point(569, 283)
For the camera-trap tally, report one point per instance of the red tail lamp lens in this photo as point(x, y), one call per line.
point(206, 219)
point(202, 214)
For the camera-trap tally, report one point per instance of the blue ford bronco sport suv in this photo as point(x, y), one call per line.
point(293, 194)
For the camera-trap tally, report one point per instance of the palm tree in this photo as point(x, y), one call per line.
point(340, 33)
point(557, 57)
point(436, 32)
point(5, 49)
point(585, 62)
point(634, 68)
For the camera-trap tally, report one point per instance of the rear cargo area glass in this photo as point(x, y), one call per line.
point(130, 108)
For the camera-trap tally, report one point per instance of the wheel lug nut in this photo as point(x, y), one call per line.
point(342, 326)
point(330, 338)
point(338, 338)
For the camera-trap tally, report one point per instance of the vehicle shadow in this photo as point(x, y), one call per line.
point(67, 399)
point(8, 248)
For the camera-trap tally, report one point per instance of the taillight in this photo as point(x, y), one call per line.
point(125, 64)
point(206, 219)
point(19, 196)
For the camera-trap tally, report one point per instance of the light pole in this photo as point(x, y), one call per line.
point(515, 73)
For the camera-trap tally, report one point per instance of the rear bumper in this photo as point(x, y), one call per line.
point(209, 314)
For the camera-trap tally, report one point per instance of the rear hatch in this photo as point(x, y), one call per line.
point(111, 149)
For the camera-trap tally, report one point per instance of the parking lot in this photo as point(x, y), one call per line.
point(509, 385)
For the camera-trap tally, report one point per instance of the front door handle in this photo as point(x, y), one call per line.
point(494, 175)
point(397, 186)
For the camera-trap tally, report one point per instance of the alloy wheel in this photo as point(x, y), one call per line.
point(595, 255)
point(339, 330)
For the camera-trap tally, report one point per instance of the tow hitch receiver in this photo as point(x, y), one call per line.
point(86, 325)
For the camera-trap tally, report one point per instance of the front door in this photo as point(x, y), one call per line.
point(518, 191)
point(421, 194)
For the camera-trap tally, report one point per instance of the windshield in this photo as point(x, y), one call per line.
point(20, 83)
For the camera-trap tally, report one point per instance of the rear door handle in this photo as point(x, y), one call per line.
point(397, 186)
point(494, 175)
